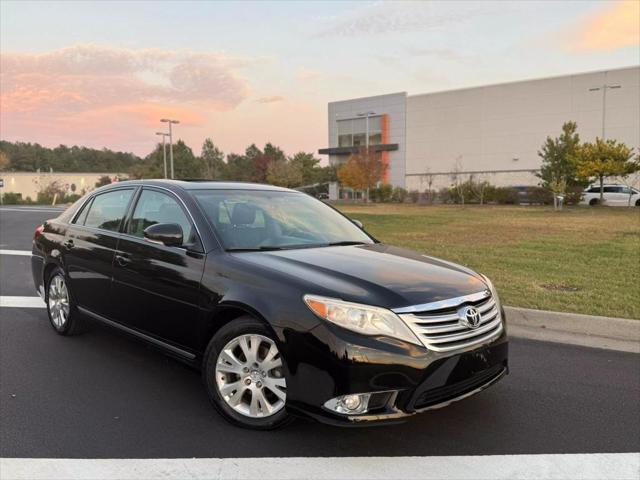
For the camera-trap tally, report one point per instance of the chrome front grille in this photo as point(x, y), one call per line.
point(441, 328)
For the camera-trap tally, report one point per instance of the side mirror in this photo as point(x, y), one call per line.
point(358, 224)
point(169, 234)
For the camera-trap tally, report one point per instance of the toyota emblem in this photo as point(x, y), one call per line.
point(470, 317)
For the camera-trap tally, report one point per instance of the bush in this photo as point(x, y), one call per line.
point(12, 198)
point(445, 195)
point(57, 191)
point(381, 194)
point(539, 195)
point(573, 195)
point(414, 196)
point(502, 195)
point(399, 195)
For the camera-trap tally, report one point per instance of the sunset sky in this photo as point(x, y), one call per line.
point(103, 74)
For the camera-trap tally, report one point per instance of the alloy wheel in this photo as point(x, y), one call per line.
point(58, 301)
point(249, 376)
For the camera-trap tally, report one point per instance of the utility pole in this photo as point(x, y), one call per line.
point(170, 122)
point(604, 89)
point(164, 151)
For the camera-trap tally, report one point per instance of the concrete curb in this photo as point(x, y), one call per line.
point(610, 333)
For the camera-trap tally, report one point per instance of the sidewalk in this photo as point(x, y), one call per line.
point(576, 329)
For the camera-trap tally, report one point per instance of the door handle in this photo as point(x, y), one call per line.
point(68, 244)
point(122, 260)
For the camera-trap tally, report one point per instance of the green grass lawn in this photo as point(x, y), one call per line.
point(584, 260)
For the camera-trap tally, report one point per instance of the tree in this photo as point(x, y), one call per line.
point(605, 158)
point(363, 170)
point(312, 172)
point(284, 173)
point(4, 162)
point(185, 163)
point(558, 169)
point(213, 159)
point(31, 157)
point(457, 178)
point(429, 177)
point(103, 180)
point(239, 168)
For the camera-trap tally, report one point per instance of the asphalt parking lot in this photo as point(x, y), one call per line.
point(104, 395)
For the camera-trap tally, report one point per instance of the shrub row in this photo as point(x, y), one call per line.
point(474, 193)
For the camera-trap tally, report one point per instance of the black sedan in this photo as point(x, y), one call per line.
point(287, 306)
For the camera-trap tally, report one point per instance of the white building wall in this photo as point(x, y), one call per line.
point(500, 128)
point(394, 105)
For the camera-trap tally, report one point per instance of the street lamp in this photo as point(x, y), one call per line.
point(604, 89)
point(164, 151)
point(170, 122)
point(367, 115)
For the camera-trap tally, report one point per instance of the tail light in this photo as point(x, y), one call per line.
point(39, 231)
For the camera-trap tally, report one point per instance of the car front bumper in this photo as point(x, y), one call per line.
point(330, 362)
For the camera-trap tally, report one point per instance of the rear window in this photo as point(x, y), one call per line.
point(106, 210)
point(69, 212)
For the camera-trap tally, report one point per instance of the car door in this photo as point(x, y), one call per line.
point(613, 196)
point(156, 287)
point(626, 196)
point(89, 248)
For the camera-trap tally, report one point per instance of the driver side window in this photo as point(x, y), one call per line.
point(156, 207)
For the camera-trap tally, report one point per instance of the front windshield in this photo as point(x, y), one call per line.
point(263, 220)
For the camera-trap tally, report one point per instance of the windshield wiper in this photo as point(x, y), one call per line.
point(271, 248)
point(344, 243)
point(254, 249)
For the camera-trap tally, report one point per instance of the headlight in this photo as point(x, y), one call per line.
point(364, 319)
point(492, 289)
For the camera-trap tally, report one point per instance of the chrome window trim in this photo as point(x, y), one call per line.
point(448, 303)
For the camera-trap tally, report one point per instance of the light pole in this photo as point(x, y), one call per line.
point(170, 122)
point(366, 115)
point(164, 150)
point(604, 89)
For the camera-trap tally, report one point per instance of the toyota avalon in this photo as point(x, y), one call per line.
point(288, 307)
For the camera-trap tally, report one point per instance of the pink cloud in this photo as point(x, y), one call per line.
point(87, 93)
point(110, 97)
point(614, 25)
point(271, 99)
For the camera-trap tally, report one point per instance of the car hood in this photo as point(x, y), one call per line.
point(375, 274)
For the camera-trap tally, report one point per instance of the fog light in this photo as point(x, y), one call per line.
point(353, 404)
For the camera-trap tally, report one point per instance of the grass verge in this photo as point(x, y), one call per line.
point(583, 260)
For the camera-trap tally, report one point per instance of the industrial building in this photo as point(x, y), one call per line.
point(493, 132)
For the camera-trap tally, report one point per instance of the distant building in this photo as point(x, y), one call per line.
point(28, 184)
point(492, 132)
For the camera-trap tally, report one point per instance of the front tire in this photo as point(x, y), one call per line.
point(63, 316)
point(593, 202)
point(243, 373)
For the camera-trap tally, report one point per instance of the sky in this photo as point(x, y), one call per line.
point(102, 74)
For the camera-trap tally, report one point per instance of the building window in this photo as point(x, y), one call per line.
point(345, 135)
point(353, 132)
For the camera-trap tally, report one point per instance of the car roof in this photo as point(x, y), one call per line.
point(205, 185)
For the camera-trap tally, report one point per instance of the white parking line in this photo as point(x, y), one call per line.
point(554, 466)
point(26, 253)
point(31, 209)
point(21, 302)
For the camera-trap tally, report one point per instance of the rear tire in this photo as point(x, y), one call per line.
point(244, 375)
point(638, 203)
point(63, 315)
